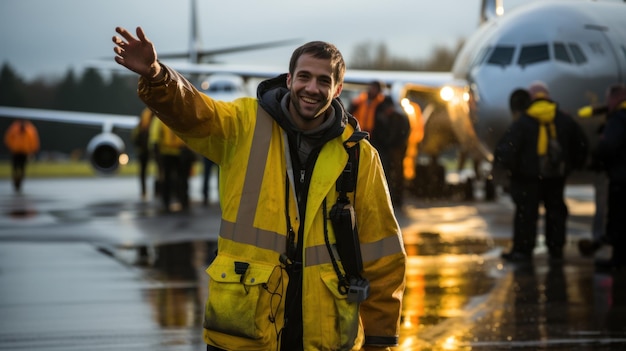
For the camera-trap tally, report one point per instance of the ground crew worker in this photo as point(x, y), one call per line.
point(611, 154)
point(390, 138)
point(140, 136)
point(176, 161)
point(22, 140)
point(521, 151)
point(364, 107)
point(277, 282)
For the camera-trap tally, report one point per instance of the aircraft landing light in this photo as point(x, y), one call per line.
point(123, 159)
point(406, 106)
point(446, 93)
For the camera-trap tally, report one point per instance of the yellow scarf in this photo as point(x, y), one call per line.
point(543, 111)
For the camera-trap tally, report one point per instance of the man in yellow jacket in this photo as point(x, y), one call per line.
point(22, 140)
point(278, 281)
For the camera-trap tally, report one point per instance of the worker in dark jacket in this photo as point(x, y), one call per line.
point(611, 153)
point(522, 152)
point(390, 138)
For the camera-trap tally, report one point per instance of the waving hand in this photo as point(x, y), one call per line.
point(136, 54)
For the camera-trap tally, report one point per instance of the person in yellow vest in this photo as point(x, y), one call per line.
point(364, 107)
point(140, 136)
point(175, 164)
point(22, 140)
point(277, 282)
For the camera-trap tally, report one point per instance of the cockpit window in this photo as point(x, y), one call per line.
point(579, 56)
point(221, 87)
point(501, 55)
point(596, 48)
point(482, 54)
point(533, 53)
point(560, 53)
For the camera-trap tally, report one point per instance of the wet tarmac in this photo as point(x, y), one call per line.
point(86, 265)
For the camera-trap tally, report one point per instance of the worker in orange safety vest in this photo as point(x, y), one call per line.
point(22, 140)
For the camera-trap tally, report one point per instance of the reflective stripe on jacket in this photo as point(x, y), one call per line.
point(245, 305)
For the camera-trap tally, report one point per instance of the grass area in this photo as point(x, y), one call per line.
point(58, 169)
point(65, 168)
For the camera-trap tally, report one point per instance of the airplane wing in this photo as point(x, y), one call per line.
point(107, 121)
point(433, 80)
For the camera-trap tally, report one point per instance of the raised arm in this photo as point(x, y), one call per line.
point(137, 54)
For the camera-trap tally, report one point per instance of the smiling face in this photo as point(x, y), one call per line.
point(313, 87)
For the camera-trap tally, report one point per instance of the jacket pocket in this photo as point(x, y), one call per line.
point(240, 298)
point(346, 313)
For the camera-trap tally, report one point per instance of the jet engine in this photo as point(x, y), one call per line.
point(104, 151)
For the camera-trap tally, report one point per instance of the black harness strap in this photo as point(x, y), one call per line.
point(342, 214)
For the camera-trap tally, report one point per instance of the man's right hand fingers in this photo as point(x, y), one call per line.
point(125, 34)
point(141, 35)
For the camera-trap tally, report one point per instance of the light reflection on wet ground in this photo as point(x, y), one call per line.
point(459, 296)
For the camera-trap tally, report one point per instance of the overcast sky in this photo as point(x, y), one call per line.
point(45, 38)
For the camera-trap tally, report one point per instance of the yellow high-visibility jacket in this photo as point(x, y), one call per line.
point(244, 311)
point(168, 142)
point(141, 133)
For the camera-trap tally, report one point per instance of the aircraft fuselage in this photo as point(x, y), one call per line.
point(577, 48)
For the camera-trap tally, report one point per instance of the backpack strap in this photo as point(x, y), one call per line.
point(343, 219)
point(346, 182)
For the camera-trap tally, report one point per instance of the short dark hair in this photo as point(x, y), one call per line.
point(387, 102)
point(617, 89)
point(616, 94)
point(378, 84)
point(321, 50)
point(519, 100)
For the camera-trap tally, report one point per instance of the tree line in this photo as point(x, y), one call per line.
point(376, 56)
point(89, 92)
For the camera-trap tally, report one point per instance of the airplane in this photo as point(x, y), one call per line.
point(577, 47)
